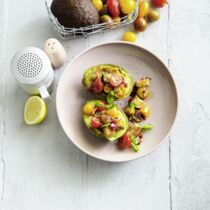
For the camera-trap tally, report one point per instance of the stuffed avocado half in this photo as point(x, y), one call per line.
point(109, 82)
point(104, 120)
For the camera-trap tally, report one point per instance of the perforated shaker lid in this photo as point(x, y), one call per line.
point(30, 65)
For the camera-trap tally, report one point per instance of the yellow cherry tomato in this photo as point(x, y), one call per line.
point(127, 6)
point(143, 92)
point(129, 36)
point(113, 113)
point(144, 8)
point(88, 109)
point(120, 123)
point(98, 4)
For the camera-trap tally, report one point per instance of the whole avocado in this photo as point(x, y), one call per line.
point(75, 13)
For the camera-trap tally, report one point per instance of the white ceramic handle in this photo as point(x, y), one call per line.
point(44, 93)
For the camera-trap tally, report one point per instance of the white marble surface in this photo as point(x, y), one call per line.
point(41, 169)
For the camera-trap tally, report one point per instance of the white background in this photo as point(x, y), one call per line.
point(41, 169)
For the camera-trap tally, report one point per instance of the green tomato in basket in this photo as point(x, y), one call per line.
point(105, 19)
point(127, 6)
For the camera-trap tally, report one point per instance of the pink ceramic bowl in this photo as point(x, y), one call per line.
point(71, 96)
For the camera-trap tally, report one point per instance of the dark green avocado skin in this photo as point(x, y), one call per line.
point(75, 13)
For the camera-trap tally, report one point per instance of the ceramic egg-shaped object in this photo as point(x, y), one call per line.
point(56, 52)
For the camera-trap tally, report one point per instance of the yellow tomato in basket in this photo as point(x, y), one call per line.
point(144, 8)
point(98, 4)
point(127, 6)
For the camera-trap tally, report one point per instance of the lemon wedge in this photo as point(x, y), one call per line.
point(35, 110)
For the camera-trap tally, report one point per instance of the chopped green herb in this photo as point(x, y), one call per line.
point(147, 126)
point(132, 107)
point(135, 144)
point(111, 106)
point(98, 104)
point(135, 147)
point(133, 139)
point(112, 93)
point(105, 125)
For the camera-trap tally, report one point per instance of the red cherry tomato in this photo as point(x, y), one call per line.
point(130, 99)
point(113, 8)
point(115, 80)
point(124, 142)
point(159, 3)
point(95, 122)
point(101, 106)
point(123, 83)
point(97, 86)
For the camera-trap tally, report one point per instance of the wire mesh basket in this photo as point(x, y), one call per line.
point(66, 33)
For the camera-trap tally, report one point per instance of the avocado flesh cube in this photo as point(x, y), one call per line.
point(87, 80)
point(138, 103)
point(116, 135)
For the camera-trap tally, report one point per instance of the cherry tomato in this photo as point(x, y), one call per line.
point(115, 80)
point(124, 142)
point(113, 113)
point(144, 7)
point(97, 86)
point(129, 36)
point(98, 4)
point(143, 92)
point(140, 24)
point(119, 92)
point(153, 15)
point(113, 8)
point(123, 83)
point(95, 122)
point(88, 109)
point(159, 3)
point(127, 6)
point(100, 106)
point(130, 99)
point(107, 88)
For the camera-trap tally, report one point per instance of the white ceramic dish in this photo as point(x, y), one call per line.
point(139, 62)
